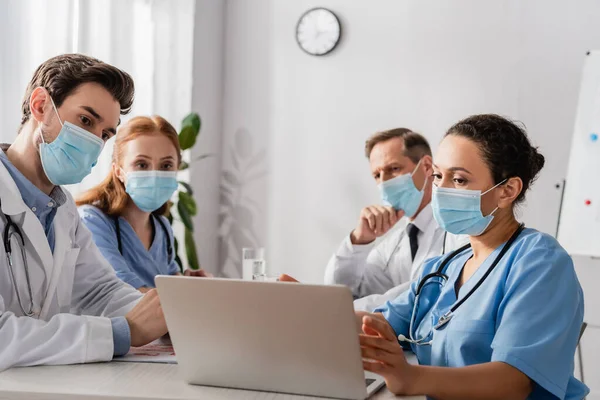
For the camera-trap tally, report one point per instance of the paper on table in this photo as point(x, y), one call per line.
point(159, 351)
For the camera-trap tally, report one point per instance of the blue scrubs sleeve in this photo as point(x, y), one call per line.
point(398, 312)
point(105, 237)
point(540, 316)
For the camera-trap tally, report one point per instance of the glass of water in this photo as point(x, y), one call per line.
point(253, 262)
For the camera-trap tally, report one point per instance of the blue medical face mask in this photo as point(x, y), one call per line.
point(71, 156)
point(149, 190)
point(458, 211)
point(400, 193)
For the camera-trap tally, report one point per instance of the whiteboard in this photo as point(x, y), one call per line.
point(579, 226)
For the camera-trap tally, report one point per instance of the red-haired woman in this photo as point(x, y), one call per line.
point(125, 211)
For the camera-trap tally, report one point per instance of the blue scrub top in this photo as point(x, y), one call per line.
point(527, 313)
point(137, 266)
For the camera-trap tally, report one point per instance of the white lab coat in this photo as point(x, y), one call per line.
point(382, 270)
point(75, 291)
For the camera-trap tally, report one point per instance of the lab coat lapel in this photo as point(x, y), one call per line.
point(62, 244)
point(32, 229)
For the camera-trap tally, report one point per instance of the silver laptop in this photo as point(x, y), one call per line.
point(268, 336)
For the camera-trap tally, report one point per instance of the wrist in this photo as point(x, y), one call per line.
point(132, 332)
point(357, 239)
point(416, 380)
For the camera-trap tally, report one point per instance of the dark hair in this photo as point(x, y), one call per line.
point(505, 147)
point(61, 75)
point(415, 145)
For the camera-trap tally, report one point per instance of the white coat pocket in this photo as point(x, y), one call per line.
point(65, 283)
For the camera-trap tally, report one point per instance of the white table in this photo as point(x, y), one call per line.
point(124, 381)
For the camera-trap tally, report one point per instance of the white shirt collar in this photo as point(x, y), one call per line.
point(424, 218)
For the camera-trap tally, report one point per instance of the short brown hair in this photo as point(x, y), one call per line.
point(61, 75)
point(415, 145)
point(110, 195)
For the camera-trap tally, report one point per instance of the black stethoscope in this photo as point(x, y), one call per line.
point(162, 225)
point(440, 278)
point(12, 230)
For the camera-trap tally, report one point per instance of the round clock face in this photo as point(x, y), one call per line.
point(318, 31)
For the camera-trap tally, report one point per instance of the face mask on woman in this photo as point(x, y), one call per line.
point(458, 211)
point(149, 190)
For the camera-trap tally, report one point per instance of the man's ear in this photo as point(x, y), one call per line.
point(509, 192)
point(40, 104)
point(427, 163)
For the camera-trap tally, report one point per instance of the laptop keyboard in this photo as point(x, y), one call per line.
point(368, 381)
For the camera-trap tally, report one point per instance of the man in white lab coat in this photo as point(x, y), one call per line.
point(60, 301)
point(384, 253)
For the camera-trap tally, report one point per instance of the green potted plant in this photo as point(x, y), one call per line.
point(184, 198)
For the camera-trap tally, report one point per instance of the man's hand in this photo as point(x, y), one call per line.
point(146, 320)
point(200, 273)
point(374, 221)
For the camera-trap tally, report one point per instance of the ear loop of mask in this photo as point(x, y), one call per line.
point(57, 116)
point(413, 173)
point(489, 190)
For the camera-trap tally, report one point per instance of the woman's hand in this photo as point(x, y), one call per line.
point(383, 355)
point(200, 273)
point(287, 278)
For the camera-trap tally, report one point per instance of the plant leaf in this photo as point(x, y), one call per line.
point(225, 189)
point(187, 137)
point(190, 250)
point(243, 216)
point(183, 166)
point(188, 202)
point(230, 178)
point(256, 159)
point(234, 161)
point(240, 238)
point(224, 200)
point(203, 156)
point(187, 187)
point(185, 216)
point(222, 218)
point(192, 120)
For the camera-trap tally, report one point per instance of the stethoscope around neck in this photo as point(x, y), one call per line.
point(12, 230)
point(440, 278)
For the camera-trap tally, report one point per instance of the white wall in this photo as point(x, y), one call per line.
point(207, 100)
point(22, 49)
point(247, 110)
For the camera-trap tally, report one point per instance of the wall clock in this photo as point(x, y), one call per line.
point(318, 31)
